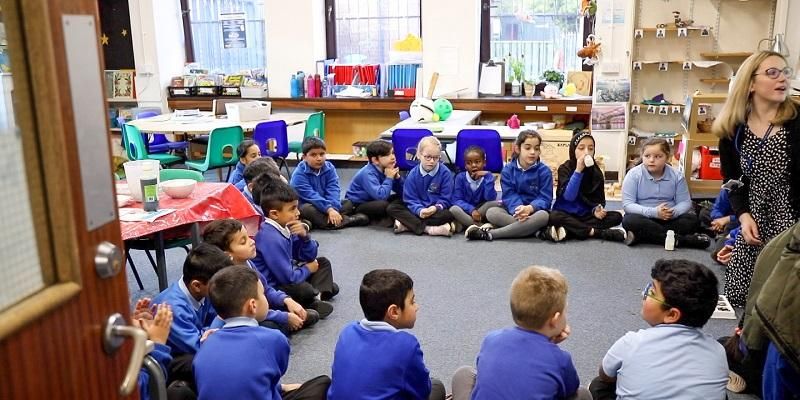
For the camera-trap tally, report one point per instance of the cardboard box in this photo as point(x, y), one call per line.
point(249, 110)
point(555, 149)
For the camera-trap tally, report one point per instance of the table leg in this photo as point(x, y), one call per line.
point(196, 239)
point(161, 262)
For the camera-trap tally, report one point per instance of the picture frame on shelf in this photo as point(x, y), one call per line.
point(123, 84)
point(582, 81)
point(108, 82)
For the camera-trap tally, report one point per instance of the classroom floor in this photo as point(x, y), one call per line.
point(462, 288)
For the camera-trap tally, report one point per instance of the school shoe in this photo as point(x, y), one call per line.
point(612, 235)
point(323, 308)
point(561, 233)
point(357, 219)
point(545, 234)
point(694, 241)
point(312, 317)
point(440, 230)
point(399, 227)
point(474, 232)
point(736, 383)
point(455, 227)
point(630, 238)
point(487, 226)
point(325, 296)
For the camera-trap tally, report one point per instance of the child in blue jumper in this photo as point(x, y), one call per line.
point(192, 313)
point(579, 211)
point(374, 359)
point(525, 362)
point(232, 237)
point(427, 194)
point(317, 184)
point(376, 184)
point(243, 360)
point(474, 191)
point(263, 165)
point(527, 193)
point(656, 199)
point(287, 256)
point(248, 151)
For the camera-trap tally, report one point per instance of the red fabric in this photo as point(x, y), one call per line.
point(208, 202)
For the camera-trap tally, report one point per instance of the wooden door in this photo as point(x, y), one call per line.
point(50, 338)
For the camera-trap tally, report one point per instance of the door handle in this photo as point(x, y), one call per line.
point(114, 333)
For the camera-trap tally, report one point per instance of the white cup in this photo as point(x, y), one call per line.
point(588, 160)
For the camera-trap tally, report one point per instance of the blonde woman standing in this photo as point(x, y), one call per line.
point(759, 131)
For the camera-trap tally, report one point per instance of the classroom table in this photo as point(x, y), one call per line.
point(208, 202)
point(206, 122)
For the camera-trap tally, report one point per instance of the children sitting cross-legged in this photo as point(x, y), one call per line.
point(232, 237)
point(287, 256)
point(317, 184)
point(579, 211)
point(248, 151)
point(263, 165)
point(192, 313)
point(673, 359)
point(474, 191)
point(372, 187)
point(427, 195)
point(527, 186)
point(243, 360)
point(656, 199)
point(374, 359)
point(525, 362)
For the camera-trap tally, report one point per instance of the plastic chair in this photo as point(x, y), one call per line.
point(404, 142)
point(137, 150)
point(488, 139)
point(271, 138)
point(158, 142)
point(219, 141)
point(175, 173)
point(315, 126)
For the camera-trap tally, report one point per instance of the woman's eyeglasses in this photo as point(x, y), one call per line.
point(650, 291)
point(774, 73)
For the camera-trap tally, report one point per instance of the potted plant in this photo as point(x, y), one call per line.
point(528, 87)
point(554, 79)
point(517, 68)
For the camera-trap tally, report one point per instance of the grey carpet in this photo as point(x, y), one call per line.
point(462, 288)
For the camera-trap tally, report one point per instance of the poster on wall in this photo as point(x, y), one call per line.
point(609, 117)
point(234, 35)
point(613, 90)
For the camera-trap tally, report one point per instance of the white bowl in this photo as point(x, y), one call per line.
point(178, 188)
point(549, 125)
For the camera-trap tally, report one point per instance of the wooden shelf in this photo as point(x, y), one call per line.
point(122, 101)
point(116, 130)
point(741, 54)
point(674, 29)
point(715, 81)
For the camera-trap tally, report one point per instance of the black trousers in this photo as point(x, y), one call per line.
point(579, 227)
point(319, 219)
point(400, 212)
point(376, 210)
point(312, 389)
point(318, 282)
point(180, 369)
point(651, 230)
point(602, 390)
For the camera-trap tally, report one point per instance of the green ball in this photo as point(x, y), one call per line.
point(443, 108)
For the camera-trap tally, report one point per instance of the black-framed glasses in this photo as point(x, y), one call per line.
point(774, 73)
point(650, 291)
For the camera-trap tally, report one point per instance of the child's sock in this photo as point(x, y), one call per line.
point(441, 230)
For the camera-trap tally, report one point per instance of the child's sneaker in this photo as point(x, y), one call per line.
point(441, 230)
point(630, 238)
point(736, 383)
point(474, 232)
point(487, 226)
point(612, 235)
point(694, 241)
point(399, 227)
point(323, 308)
point(561, 234)
point(455, 227)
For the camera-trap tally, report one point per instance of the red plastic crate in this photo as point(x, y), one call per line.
point(709, 163)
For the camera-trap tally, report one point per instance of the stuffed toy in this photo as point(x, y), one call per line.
point(590, 52)
point(421, 110)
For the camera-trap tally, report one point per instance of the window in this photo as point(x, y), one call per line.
point(362, 31)
point(545, 34)
point(206, 31)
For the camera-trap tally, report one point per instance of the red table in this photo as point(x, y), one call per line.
point(208, 202)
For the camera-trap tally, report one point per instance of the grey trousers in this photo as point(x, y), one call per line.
point(466, 219)
point(509, 227)
point(464, 381)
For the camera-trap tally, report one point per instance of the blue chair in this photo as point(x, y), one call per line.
point(488, 139)
point(404, 115)
point(158, 142)
point(272, 138)
point(404, 143)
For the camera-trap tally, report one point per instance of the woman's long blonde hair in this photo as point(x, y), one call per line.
point(735, 109)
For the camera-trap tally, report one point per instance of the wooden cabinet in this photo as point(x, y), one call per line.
point(696, 123)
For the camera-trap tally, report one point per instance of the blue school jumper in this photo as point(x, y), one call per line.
point(423, 189)
point(237, 176)
point(275, 299)
point(467, 197)
point(722, 208)
point(276, 253)
point(370, 183)
point(570, 201)
point(241, 361)
point(189, 317)
point(320, 188)
point(373, 360)
point(532, 186)
point(249, 196)
point(161, 354)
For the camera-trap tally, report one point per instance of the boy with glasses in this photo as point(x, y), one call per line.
point(673, 359)
point(427, 194)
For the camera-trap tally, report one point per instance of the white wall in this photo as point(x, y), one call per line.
point(451, 44)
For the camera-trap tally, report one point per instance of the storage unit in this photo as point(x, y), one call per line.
point(696, 124)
